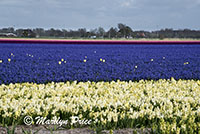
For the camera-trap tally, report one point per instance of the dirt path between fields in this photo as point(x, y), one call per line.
point(49, 130)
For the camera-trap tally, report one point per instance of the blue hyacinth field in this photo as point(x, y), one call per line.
point(149, 86)
point(45, 63)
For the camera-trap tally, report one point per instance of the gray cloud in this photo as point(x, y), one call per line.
point(139, 14)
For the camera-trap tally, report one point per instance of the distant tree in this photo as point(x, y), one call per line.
point(19, 32)
point(58, 33)
point(50, 32)
point(7, 30)
point(124, 31)
point(112, 32)
point(93, 31)
point(11, 30)
point(121, 31)
point(100, 32)
point(65, 33)
point(39, 32)
point(128, 31)
point(28, 33)
point(82, 32)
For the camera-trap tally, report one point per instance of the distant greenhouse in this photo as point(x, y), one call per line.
point(8, 35)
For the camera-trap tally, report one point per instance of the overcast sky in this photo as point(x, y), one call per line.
point(74, 14)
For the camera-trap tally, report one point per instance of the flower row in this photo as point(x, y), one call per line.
point(164, 105)
point(59, 63)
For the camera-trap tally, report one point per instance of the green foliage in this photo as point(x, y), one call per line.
point(11, 130)
point(30, 131)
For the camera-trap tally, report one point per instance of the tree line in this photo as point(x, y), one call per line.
point(121, 31)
